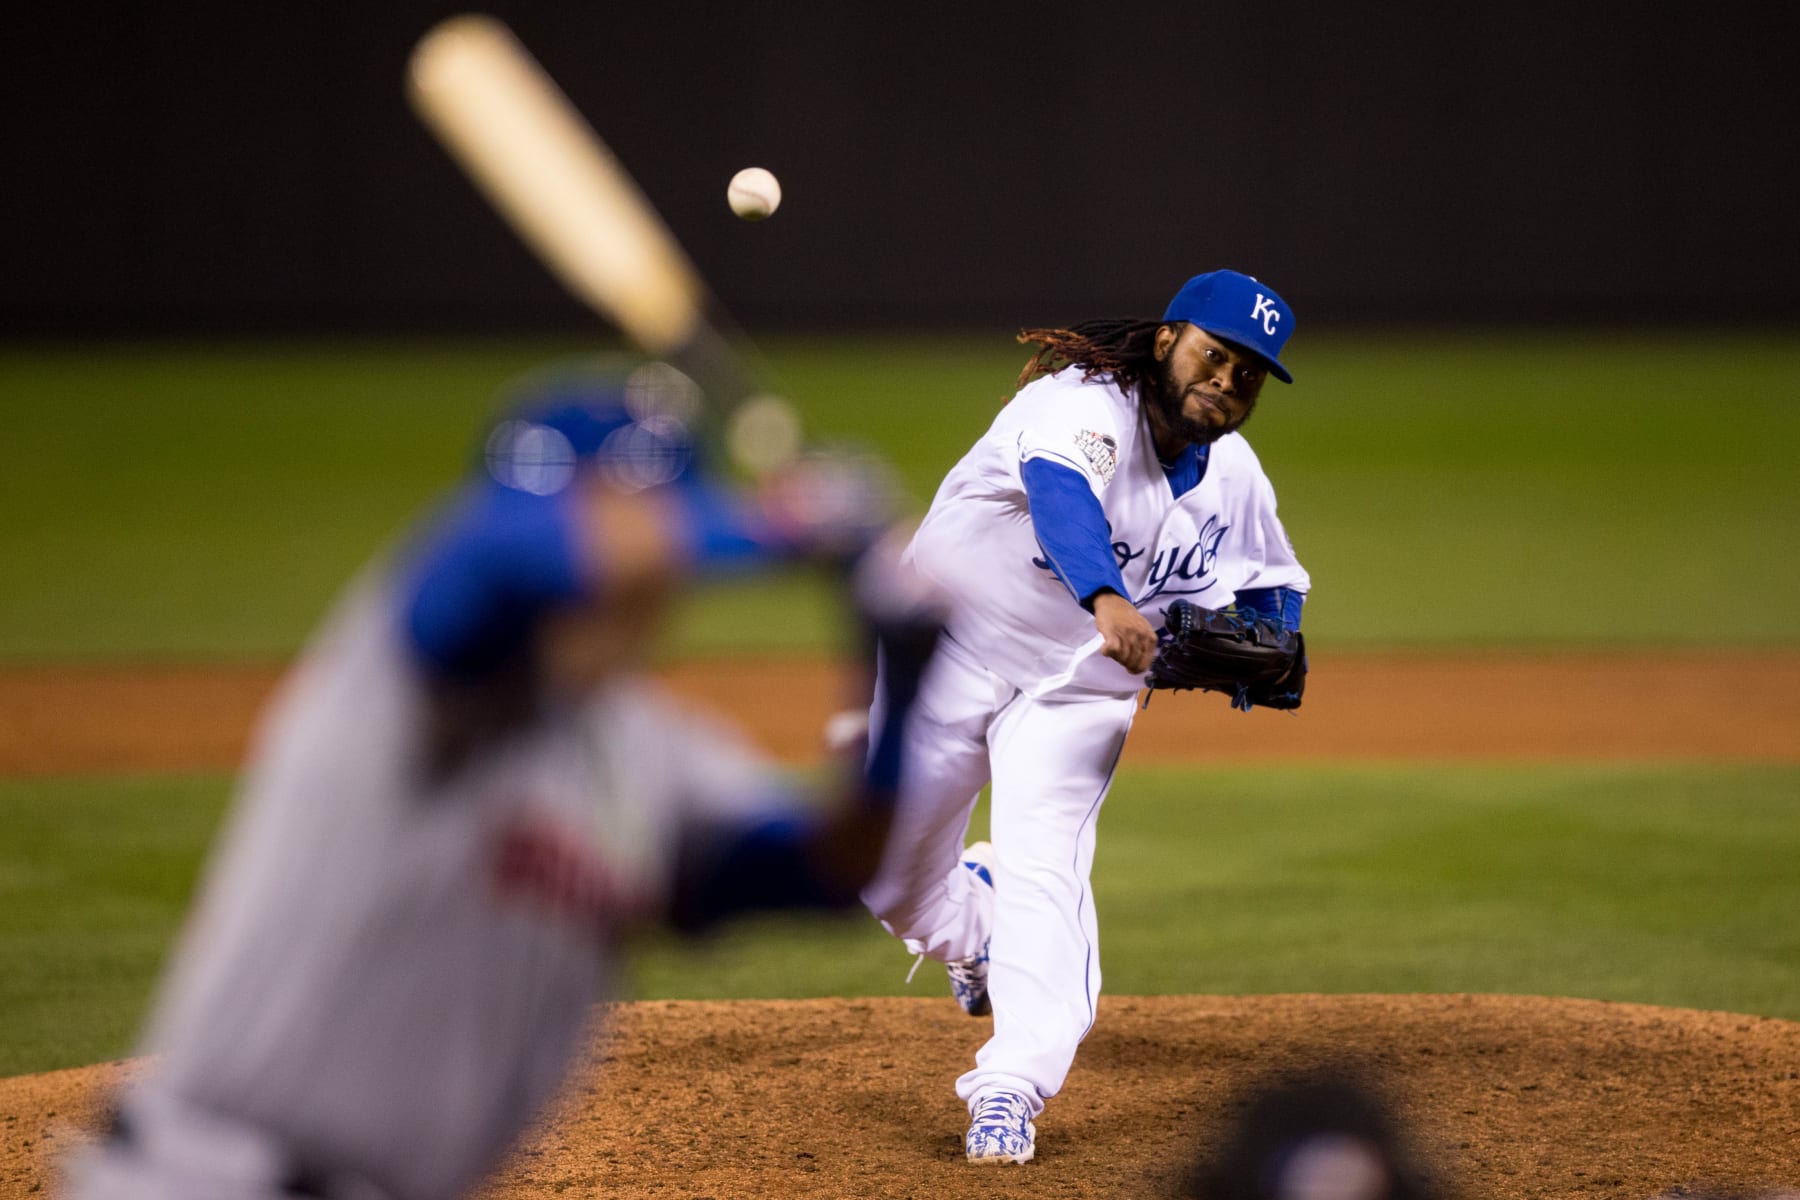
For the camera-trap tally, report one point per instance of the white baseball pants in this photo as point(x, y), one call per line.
point(1050, 763)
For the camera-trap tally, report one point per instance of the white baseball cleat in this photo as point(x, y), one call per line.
point(969, 976)
point(1001, 1131)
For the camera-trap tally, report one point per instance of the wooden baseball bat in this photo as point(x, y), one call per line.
point(555, 181)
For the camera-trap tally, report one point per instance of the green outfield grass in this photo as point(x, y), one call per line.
point(1664, 885)
point(95, 875)
point(1634, 488)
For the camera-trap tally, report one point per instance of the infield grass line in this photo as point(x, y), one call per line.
point(187, 501)
point(1667, 884)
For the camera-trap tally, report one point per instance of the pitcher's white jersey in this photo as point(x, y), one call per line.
point(397, 1015)
point(978, 540)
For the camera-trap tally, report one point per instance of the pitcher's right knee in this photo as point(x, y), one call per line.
point(940, 920)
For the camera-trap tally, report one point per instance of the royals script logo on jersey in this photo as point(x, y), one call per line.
point(1183, 570)
point(1178, 570)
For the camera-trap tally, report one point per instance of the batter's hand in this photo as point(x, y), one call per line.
point(1130, 641)
point(831, 505)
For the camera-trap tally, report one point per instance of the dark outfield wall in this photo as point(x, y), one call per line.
point(218, 167)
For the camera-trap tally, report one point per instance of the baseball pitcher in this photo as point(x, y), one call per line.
point(1111, 529)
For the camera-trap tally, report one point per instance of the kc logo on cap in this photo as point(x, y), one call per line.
point(1266, 312)
point(1237, 308)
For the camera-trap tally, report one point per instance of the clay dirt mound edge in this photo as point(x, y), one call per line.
point(1504, 1096)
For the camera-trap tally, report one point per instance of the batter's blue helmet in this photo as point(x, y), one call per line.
point(1237, 308)
point(628, 425)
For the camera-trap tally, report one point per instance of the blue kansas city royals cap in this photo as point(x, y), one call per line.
point(1237, 308)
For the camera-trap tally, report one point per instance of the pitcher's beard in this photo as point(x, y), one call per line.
point(1187, 429)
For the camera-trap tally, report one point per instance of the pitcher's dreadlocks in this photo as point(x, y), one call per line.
point(1122, 346)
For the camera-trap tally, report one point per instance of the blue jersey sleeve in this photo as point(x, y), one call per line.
point(498, 558)
point(723, 534)
point(757, 866)
point(1278, 604)
point(1071, 527)
point(484, 575)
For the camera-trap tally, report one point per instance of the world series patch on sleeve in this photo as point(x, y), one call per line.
point(1251, 659)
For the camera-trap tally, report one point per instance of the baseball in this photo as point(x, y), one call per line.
point(754, 193)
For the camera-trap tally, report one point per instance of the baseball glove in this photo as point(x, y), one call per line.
point(1251, 659)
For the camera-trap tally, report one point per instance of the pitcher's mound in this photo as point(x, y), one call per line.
point(1503, 1096)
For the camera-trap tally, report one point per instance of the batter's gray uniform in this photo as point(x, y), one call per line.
point(416, 906)
point(363, 919)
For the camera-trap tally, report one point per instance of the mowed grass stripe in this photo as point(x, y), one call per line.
point(1666, 885)
point(1545, 489)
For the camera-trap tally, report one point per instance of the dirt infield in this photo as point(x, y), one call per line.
point(1692, 705)
point(1508, 1097)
